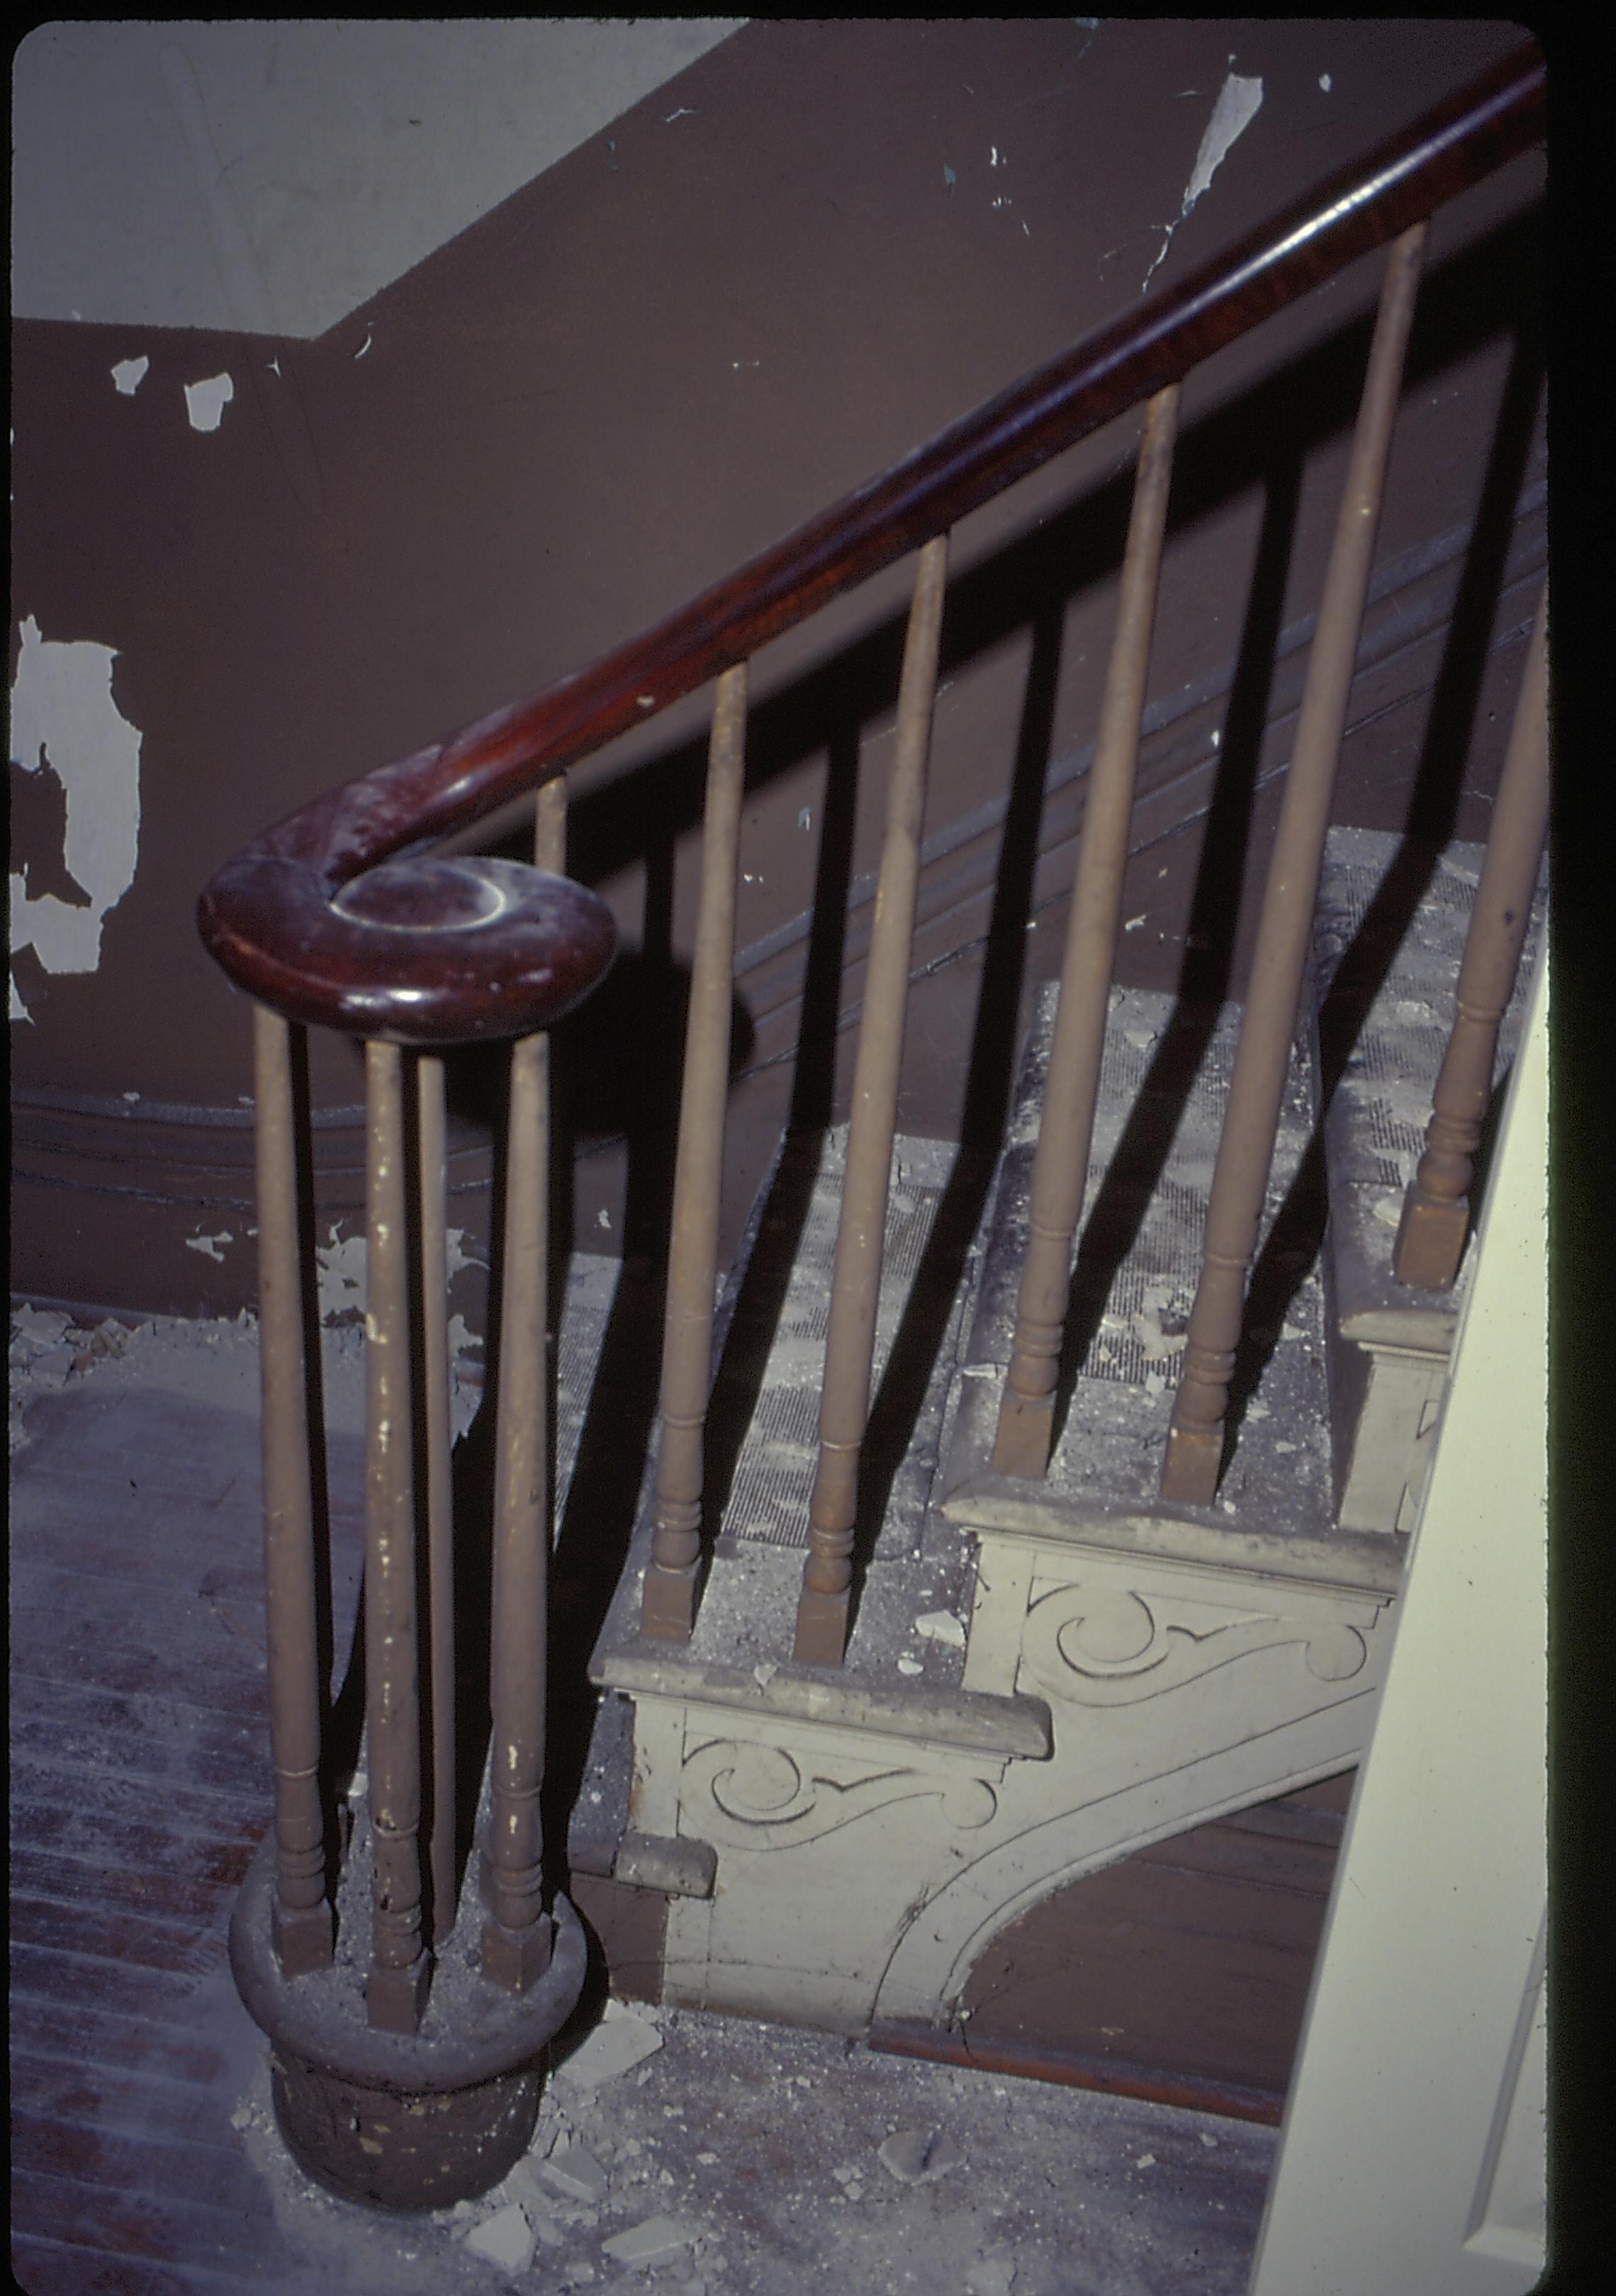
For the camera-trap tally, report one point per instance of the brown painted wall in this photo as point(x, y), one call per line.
point(663, 353)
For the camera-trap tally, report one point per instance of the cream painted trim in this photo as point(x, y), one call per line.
point(1411, 2156)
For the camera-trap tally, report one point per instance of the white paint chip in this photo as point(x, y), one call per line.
point(1326, 82)
point(63, 716)
point(206, 401)
point(128, 375)
point(910, 1666)
point(340, 1267)
point(210, 1244)
point(941, 1627)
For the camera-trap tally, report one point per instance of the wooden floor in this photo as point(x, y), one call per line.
point(138, 1791)
point(139, 1788)
point(1180, 1973)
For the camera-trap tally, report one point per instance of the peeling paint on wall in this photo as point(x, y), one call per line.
point(340, 1267)
point(205, 402)
point(340, 1274)
point(64, 719)
point(128, 375)
point(1238, 103)
point(210, 1244)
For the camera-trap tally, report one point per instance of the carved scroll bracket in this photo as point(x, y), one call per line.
point(1100, 1645)
point(746, 1795)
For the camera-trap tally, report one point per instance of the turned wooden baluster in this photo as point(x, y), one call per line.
point(516, 1936)
point(822, 1609)
point(1026, 1419)
point(667, 1607)
point(1245, 1151)
point(303, 1926)
point(433, 1180)
point(1436, 1209)
point(395, 1990)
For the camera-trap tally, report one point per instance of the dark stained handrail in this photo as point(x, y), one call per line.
point(447, 963)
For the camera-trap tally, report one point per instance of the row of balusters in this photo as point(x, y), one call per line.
point(515, 1935)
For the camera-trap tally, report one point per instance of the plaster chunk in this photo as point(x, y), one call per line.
point(577, 2173)
point(504, 2238)
point(993, 2276)
point(618, 2043)
point(649, 2243)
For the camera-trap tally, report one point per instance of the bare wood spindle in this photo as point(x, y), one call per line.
point(1245, 1151)
point(439, 1489)
point(516, 1935)
point(1026, 1421)
point(668, 1606)
point(822, 1609)
point(303, 1925)
point(1436, 1209)
point(395, 1989)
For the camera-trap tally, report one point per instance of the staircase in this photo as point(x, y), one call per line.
point(1042, 1677)
point(972, 1553)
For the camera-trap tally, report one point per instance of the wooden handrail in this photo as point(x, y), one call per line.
point(434, 951)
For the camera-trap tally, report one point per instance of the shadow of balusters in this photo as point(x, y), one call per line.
point(1113, 1218)
point(1473, 297)
point(1293, 1242)
point(985, 1102)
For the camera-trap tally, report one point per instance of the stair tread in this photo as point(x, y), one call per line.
point(1166, 1072)
point(911, 1562)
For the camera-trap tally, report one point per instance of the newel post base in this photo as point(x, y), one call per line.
point(401, 2120)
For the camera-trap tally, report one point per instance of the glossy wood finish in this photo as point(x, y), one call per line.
point(1436, 1209)
point(849, 1347)
point(420, 951)
point(275, 918)
point(668, 1608)
point(1251, 1124)
point(1026, 1423)
point(303, 1922)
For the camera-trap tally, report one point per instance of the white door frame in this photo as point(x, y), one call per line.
point(1413, 2153)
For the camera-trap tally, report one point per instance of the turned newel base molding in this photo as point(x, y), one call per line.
point(402, 2119)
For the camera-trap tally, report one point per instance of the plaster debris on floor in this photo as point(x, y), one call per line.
point(680, 2149)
